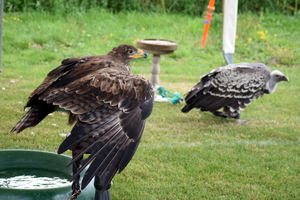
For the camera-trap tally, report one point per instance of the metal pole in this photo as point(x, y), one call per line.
point(1, 15)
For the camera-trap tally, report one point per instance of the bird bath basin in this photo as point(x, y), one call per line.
point(29, 175)
point(157, 47)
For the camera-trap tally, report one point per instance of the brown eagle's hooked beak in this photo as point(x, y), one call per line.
point(139, 54)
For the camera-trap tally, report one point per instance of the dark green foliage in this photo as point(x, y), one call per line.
point(189, 7)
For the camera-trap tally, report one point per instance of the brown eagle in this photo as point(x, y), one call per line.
point(108, 104)
point(232, 88)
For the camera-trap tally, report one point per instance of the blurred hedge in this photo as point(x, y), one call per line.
point(190, 7)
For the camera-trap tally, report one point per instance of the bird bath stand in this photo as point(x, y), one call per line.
point(157, 47)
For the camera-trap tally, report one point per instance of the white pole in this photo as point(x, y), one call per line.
point(230, 8)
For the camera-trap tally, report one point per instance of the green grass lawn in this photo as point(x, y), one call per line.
point(181, 156)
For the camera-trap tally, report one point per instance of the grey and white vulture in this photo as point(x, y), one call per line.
point(232, 88)
point(108, 104)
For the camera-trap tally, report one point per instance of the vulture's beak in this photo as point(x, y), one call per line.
point(139, 54)
point(285, 78)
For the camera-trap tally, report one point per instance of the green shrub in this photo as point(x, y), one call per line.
point(190, 7)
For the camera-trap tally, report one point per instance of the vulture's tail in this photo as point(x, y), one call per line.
point(34, 116)
point(186, 109)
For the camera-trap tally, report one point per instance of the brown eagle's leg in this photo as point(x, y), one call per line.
point(75, 185)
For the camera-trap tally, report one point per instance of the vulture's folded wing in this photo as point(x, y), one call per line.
point(235, 84)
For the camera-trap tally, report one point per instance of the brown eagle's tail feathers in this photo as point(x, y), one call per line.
point(34, 116)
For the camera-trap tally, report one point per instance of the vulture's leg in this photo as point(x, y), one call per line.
point(238, 116)
point(238, 119)
point(219, 114)
point(234, 114)
point(98, 184)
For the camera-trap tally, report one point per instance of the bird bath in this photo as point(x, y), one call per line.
point(28, 175)
point(157, 47)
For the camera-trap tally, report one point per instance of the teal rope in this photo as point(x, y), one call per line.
point(175, 99)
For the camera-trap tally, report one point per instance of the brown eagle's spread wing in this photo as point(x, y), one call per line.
point(69, 71)
point(110, 104)
point(111, 107)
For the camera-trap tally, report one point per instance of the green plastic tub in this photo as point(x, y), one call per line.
point(37, 164)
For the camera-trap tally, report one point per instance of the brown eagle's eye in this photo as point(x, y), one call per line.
point(130, 51)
